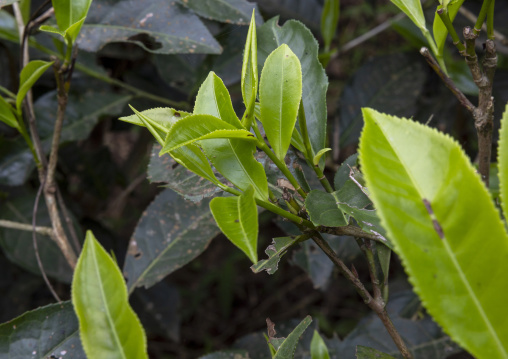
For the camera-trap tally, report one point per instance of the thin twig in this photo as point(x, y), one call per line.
point(46, 231)
point(68, 219)
point(36, 248)
point(350, 230)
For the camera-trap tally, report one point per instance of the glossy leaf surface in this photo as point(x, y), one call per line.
point(229, 11)
point(249, 79)
point(158, 26)
point(444, 227)
point(275, 251)
point(28, 76)
point(171, 233)
point(315, 83)
point(202, 127)
point(237, 217)
point(47, 331)
point(108, 326)
point(369, 353)
point(233, 158)
point(502, 161)
point(280, 91)
point(413, 10)
point(288, 347)
point(318, 349)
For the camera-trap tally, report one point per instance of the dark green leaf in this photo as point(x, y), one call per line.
point(288, 347)
point(438, 213)
point(329, 21)
point(237, 217)
point(307, 11)
point(342, 174)
point(315, 83)
point(275, 251)
point(228, 354)
point(171, 233)
point(369, 353)
point(18, 245)
point(41, 333)
point(157, 26)
point(390, 84)
point(108, 327)
point(318, 349)
point(229, 11)
point(323, 210)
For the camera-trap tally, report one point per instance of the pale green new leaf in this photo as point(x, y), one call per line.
point(502, 161)
point(318, 349)
point(275, 251)
point(250, 69)
point(288, 346)
point(201, 127)
point(280, 92)
point(7, 115)
point(108, 326)
point(439, 29)
point(233, 158)
point(70, 15)
point(320, 154)
point(413, 10)
point(444, 227)
point(30, 73)
point(237, 217)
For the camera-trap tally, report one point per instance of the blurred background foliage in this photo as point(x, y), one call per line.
point(215, 302)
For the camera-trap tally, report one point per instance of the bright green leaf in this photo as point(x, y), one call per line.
point(250, 69)
point(7, 115)
point(288, 346)
point(30, 73)
point(52, 29)
point(320, 154)
point(413, 9)
point(502, 162)
point(444, 226)
point(192, 158)
point(318, 349)
point(280, 92)
point(237, 217)
point(164, 117)
point(275, 251)
point(439, 29)
point(369, 353)
point(70, 15)
point(323, 209)
point(108, 326)
point(329, 21)
point(201, 127)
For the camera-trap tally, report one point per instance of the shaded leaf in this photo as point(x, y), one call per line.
point(249, 79)
point(315, 83)
point(342, 174)
point(389, 84)
point(7, 115)
point(502, 161)
point(318, 349)
point(329, 21)
point(227, 354)
point(30, 73)
point(229, 11)
point(108, 326)
point(158, 26)
point(323, 210)
point(288, 347)
point(275, 251)
point(237, 217)
point(369, 353)
point(171, 233)
point(433, 195)
point(41, 333)
point(307, 11)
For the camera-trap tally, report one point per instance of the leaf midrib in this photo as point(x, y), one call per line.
point(451, 255)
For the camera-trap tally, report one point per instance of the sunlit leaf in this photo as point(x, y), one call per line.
point(30, 73)
point(502, 161)
point(108, 326)
point(444, 226)
point(413, 10)
point(280, 91)
point(237, 217)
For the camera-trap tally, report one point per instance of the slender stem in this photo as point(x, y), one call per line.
point(46, 231)
point(481, 17)
point(472, 17)
point(374, 277)
point(443, 15)
point(447, 81)
point(435, 51)
point(7, 92)
point(490, 22)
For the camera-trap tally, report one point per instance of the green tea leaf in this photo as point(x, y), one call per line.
point(171, 233)
point(108, 326)
point(438, 214)
point(202, 127)
point(30, 73)
point(228, 354)
point(70, 15)
point(413, 10)
point(329, 21)
point(502, 161)
point(323, 210)
point(237, 217)
point(7, 115)
point(315, 83)
point(275, 251)
point(47, 331)
point(164, 117)
point(439, 29)
point(320, 154)
point(280, 92)
point(369, 353)
point(250, 69)
point(228, 11)
point(318, 349)
point(288, 347)
point(233, 158)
